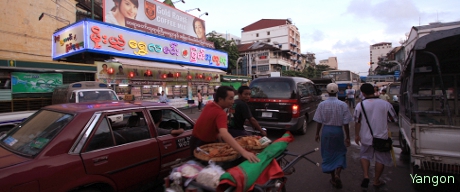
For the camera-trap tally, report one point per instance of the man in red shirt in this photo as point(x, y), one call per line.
point(212, 124)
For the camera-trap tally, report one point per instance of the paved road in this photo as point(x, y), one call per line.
point(308, 177)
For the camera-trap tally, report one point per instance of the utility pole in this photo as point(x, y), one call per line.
point(92, 9)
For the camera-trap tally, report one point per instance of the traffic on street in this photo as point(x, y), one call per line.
point(214, 96)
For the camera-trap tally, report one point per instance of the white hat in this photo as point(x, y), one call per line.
point(332, 88)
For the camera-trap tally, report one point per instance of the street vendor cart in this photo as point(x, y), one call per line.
point(267, 175)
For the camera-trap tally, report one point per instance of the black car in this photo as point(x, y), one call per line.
point(284, 102)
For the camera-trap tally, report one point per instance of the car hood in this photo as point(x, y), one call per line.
point(9, 159)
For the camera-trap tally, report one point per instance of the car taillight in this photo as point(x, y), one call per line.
point(295, 111)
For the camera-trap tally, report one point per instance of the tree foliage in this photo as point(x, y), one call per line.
point(384, 67)
point(228, 46)
point(308, 72)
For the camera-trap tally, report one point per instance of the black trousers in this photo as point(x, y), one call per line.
point(199, 104)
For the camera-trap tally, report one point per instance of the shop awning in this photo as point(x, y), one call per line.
point(153, 64)
point(205, 69)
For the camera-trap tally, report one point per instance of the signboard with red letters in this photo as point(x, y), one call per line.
point(93, 36)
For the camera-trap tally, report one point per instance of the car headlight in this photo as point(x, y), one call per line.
point(395, 98)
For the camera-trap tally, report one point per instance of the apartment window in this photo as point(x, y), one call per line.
point(257, 35)
point(268, 32)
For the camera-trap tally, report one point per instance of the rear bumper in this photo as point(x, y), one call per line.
point(293, 125)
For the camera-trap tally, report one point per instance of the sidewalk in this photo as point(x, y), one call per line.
point(192, 112)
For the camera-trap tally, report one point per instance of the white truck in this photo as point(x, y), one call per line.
point(83, 91)
point(429, 110)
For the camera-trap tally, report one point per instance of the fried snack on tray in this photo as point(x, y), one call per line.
point(217, 152)
point(250, 142)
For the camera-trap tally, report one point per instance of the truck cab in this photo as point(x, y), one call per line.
point(429, 110)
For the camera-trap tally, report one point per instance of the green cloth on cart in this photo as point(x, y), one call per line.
point(244, 176)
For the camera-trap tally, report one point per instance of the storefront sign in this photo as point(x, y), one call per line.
point(69, 41)
point(146, 83)
point(106, 39)
point(35, 82)
point(157, 18)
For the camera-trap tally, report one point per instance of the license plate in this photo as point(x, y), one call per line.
point(266, 114)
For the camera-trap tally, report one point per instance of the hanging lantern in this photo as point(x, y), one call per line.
point(170, 75)
point(189, 77)
point(148, 73)
point(216, 77)
point(164, 76)
point(200, 76)
point(131, 74)
point(177, 74)
point(110, 71)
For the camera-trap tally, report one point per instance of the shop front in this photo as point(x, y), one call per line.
point(147, 79)
point(142, 63)
point(28, 85)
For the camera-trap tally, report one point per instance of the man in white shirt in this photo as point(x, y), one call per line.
point(378, 113)
point(163, 98)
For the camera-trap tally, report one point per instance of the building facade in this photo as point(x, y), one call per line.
point(93, 50)
point(279, 32)
point(331, 62)
point(260, 59)
point(377, 51)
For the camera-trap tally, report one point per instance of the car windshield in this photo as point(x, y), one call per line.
point(33, 135)
point(271, 89)
point(87, 96)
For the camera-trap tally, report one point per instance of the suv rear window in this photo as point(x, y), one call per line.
point(271, 89)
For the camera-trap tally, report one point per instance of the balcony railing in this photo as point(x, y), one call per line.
point(86, 4)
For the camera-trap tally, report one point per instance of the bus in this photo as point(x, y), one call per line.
point(343, 78)
point(380, 80)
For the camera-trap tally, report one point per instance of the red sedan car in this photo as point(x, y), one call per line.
point(110, 146)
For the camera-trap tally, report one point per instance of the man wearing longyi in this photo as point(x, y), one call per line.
point(212, 124)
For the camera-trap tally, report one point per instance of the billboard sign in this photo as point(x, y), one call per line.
point(104, 38)
point(34, 82)
point(155, 17)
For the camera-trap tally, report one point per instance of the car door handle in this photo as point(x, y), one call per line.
point(100, 159)
point(166, 144)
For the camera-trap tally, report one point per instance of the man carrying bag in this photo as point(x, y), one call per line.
point(371, 121)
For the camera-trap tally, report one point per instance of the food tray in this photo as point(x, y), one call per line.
point(254, 138)
point(225, 153)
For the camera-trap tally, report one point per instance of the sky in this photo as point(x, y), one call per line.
point(332, 28)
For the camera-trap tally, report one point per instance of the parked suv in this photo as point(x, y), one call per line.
point(78, 147)
point(284, 102)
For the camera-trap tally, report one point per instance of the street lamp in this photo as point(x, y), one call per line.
point(193, 9)
point(54, 17)
point(179, 1)
point(205, 13)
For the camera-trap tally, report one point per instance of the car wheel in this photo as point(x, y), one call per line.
point(303, 128)
point(404, 147)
